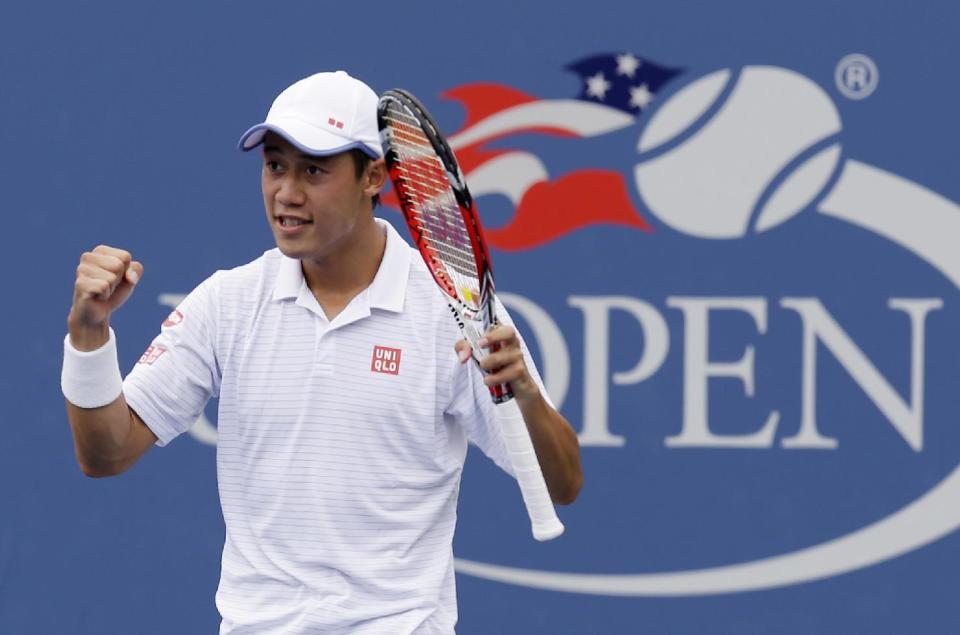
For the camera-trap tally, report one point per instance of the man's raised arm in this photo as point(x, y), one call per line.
point(109, 437)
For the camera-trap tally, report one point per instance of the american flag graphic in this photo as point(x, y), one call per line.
point(615, 89)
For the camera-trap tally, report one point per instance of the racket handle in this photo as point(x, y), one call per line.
point(536, 497)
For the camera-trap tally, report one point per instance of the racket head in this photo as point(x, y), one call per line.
point(436, 203)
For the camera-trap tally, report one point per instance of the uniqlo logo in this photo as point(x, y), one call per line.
point(386, 360)
point(152, 354)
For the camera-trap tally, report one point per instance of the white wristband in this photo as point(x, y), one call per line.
point(91, 379)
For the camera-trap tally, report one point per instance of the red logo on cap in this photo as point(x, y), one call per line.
point(334, 122)
point(385, 360)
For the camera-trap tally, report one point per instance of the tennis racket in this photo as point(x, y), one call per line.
point(444, 224)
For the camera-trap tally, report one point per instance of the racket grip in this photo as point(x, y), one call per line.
point(536, 497)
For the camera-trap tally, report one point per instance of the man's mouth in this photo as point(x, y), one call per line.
point(290, 221)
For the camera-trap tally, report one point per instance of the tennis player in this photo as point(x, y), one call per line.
point(346, 404)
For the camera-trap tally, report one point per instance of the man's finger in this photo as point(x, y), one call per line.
point(120, 254)
point(106, 262)
point(464, 350)
point(90, 287)
point(509, 374)
point(88, 270)
point(500, 334)
point(501, 358)
point(95, 281)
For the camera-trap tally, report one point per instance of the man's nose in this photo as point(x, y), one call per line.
point(291, 192)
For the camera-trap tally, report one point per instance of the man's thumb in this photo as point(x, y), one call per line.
point(134, 272)
point(130, 278)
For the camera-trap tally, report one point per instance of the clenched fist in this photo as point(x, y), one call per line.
point(105, 279)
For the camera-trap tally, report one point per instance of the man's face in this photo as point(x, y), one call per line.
point(314, 204)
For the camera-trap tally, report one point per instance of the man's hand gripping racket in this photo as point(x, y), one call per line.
point(441, 216)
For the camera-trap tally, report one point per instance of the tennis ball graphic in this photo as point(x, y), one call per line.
point(752, 162)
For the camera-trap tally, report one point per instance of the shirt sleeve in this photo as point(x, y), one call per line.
point(179, 372)
point(473, 408)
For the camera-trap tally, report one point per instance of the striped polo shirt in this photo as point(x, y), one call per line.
point(341, 442)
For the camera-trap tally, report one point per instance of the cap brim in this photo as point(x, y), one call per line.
point(305, 138)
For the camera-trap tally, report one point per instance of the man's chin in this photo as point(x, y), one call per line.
point(289, 248)
point(290, 251)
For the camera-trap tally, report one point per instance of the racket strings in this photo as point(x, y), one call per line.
point(439, 222)
point(435, 212)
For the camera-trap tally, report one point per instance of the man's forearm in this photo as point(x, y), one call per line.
point(557, 448)
point(104, 438)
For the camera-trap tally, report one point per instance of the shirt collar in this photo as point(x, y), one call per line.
point(388, 289)
point(289, 279)
point(389, 286)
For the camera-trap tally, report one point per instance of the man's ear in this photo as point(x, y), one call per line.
point(375, 177)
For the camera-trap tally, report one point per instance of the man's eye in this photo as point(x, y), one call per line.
point(315, 170)
point(273, 166)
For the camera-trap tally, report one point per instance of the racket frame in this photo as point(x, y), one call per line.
point(543, 517)
point(473, 321)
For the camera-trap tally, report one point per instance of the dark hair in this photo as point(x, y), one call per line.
point(360, 162)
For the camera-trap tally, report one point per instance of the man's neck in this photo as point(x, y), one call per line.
point(337, 279)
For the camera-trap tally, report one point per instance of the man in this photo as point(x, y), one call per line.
point(338, 475)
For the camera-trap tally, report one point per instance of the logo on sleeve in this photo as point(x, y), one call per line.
point(386, 360)
point(152, 354)
point(174, 318)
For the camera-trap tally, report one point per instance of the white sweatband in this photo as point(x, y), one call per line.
point(91, 379)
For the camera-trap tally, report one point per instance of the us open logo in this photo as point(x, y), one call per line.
point(744, 169)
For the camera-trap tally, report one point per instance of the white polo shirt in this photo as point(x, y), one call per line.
point(341, 442)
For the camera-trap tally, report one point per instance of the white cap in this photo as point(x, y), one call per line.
point(326, 113)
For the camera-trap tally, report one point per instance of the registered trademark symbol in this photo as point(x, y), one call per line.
point(856, 76)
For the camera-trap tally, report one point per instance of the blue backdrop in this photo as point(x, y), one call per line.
point(746, 304)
